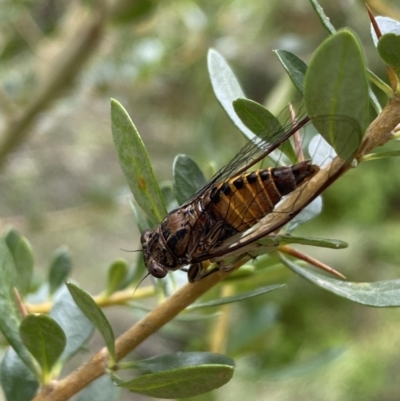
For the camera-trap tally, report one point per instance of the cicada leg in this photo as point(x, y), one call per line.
point(198, 271)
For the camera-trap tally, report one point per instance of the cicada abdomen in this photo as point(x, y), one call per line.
point(245, 199)
point(225, 209)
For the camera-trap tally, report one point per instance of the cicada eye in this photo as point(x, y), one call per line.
point(156, 270)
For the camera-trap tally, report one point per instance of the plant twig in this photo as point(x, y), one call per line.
point(78, 51)
point(151, 323)
point(117, 298)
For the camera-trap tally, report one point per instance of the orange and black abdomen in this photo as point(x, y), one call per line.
point(245, 199)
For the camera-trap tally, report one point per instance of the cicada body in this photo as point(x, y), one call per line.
point(226, 209)
point(233, 202)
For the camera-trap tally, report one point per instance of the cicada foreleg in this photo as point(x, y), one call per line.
point(198, 271)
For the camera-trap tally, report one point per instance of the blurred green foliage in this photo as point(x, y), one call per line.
point(63, 184)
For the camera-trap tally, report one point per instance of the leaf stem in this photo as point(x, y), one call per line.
point(117, 298)
point(385, 88)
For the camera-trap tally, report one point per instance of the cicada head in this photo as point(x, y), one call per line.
point(157, 258)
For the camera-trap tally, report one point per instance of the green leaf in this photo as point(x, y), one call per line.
point(76, 326)
point(22, 254)
point(102, 389)
point(135, 164)
point(320, 242)
point(256, 117)
point(294, 66)
point(142, 221)
point(389, 50)
point(326, 23)
point(9, 316)
point(238, 297)
point(262, 123)
point(279, 240)
point(12, 238)
point(386, 25)
point(188, 178)
point(60, 268)
point(44, 339)
point(336, 92)
point(181, 375)
point(226, 88)
point(117, 274)
point(379, 294)
point(168, 194)
point(90, 309)
point(17, 381)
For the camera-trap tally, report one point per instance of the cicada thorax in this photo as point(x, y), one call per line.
point(245, 199)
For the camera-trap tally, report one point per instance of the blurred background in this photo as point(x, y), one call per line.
point(61, 184)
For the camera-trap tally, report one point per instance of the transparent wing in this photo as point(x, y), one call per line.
point(332, 150)
point(253, 152)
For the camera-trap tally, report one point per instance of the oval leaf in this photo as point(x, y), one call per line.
point(386, 25)
point(24, 263)
point(262, 122)
point(135, 164)
point(22, 254)
point(336, 85)
point(169, 196)
point(379, 294)
point(188, 178)
point(226, 88)
point(77, 327)
point(294, 66)
point(44, 339)
point(17, 381)
point(256, 117)
point(90, 309)
point(117, 274)
point(60, 268)
point(389, 50)
point(181, 375)
point(12, 238)
point(9, 317)
point(142, 221)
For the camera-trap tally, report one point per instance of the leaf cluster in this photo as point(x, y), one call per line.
point(335, 88)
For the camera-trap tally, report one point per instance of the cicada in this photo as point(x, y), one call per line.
point(219, 219)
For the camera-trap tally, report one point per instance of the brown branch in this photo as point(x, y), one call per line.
point(380, 130)
point(63, 72)
point(150, 324)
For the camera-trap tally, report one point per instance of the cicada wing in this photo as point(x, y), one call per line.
point(254, 151)
point(332, 157)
